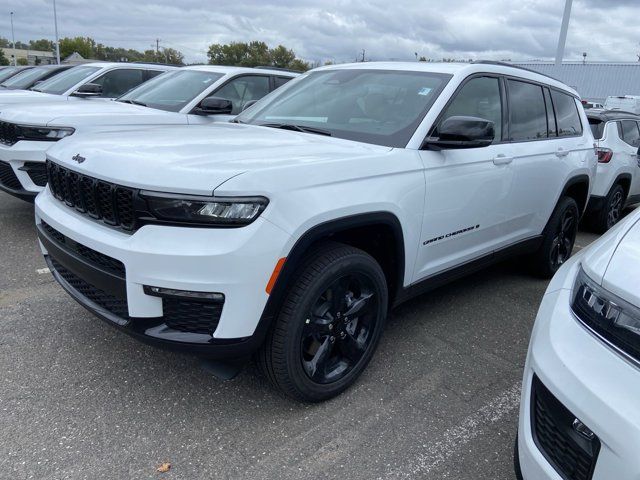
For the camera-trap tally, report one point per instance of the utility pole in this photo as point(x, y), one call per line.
point(363, 54)
point(55, 21)
point(157, 46)
point(563, 32)
point(13, 42)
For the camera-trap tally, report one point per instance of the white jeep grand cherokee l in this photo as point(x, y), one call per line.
point(290, 233)
point(186, 96)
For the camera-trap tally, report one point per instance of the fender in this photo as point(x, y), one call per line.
point(574, 181)
point(322, 231)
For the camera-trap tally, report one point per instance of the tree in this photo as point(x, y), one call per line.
point(282, 57)
point(22, 62)
point(4, 43)
point(85, 46)
point(3, 60)
point(254, 54)
point(43, 45)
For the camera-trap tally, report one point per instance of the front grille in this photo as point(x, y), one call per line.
point(8, 177)
point(190, 316)
point(37, 172)
point(104, 201)
point(8, 133)
point(95, 258)
point(571, 455)
point(116, 306)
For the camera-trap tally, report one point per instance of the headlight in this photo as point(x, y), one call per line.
point(214, 211)
point(29, 132)
point(613, 318)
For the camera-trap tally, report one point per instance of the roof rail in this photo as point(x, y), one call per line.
point(290, 70)
point(507, 64)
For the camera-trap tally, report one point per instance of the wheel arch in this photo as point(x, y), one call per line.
point(624, 180)
point(352, 230)
point(577, 188)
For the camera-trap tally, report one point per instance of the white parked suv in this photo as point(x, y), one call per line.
point(617, 181)
point(290, 233)
point(579, 415)
point(189, 95)
point(100, 80)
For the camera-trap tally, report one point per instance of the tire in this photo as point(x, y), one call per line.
point(558, 239)
point(611, 211)
point(316, 348)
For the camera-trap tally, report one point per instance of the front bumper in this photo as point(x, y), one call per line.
point(24, 159)
point(236, 262)
point(593, 382)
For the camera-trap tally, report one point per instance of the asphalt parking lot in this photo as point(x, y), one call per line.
point(82, 401)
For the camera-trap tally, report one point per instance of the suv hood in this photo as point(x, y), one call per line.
point(12, 97)
point(86, 114)
point(615, 261)
point(197, 159)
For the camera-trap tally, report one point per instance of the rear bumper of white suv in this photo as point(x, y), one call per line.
point(110, 272)
point(22, 168)
point(571, 374)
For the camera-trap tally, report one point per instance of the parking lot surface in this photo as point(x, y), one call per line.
point(80, 400)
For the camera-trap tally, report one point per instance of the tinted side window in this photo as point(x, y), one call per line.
point(630, 132)
point(149, 74)
point(279, 81)
point(527, 112)
point(479, 97)
point(597, 128)
point(240, 90)
point(118, 82)
point(551, 117)
point(566, 114)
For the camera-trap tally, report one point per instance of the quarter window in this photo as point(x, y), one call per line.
point(527, 112)
point(551, 117)
point(279, 81)
point(243, 89)
point(630, 132)
point(566, 114)
point(479, 97)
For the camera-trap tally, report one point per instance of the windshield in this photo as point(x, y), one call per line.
point(9, 72)
point(27, 78)
point(63, 82)
point(383, 107)
point(171, 91)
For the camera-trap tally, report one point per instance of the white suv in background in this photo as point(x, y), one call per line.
point(579, 415)
point(189, 95)
point(290, 233)
point(617, 181)
point(102, 80)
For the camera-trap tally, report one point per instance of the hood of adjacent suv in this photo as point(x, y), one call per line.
point(12, 97)
point(197, 159)
point(86, 114)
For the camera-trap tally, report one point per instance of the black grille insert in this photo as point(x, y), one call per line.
point(95, 258)
point(8, 133)
point(191, 316)
point(8, 177)
point(110, 203)
point(572, 455)
point(37, 172)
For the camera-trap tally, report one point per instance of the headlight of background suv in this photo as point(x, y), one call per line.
point(611, 317)
point(212, 211)
point(50, 134)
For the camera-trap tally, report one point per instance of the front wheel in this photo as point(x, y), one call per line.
point(558, 239)
point(329, 325)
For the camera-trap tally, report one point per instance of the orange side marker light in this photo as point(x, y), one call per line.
point(274, 275)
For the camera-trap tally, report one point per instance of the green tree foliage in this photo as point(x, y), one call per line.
point(43, 45)
point(85, 46)
point(22, 61)
point(3, 59)
point(254, 54)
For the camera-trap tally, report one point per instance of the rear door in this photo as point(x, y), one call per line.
point(630, 136)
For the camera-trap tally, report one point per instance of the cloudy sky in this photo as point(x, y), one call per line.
point(337, 30)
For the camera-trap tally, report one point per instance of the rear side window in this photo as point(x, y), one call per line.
point(566, 114)
point(479, 97)
point(527, 112)
point(630, 133)
point(279, 81)
point(597, 128)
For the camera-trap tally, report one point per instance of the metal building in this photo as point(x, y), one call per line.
point(593, 80)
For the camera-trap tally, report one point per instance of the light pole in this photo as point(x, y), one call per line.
point(55, 21)
point(13, 42)
point(563, 32)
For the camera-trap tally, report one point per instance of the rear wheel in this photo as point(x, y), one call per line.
point(558, 239)
point(611, 211)
point(329, 324)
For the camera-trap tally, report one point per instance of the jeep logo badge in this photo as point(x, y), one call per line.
point(78, 158)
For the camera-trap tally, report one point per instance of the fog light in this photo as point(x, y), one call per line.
point(171, 292)
point(583, 430)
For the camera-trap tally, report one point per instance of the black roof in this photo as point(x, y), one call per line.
point(610, 115)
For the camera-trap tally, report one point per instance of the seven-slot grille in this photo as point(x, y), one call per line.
point(8, 177)
point(8, 133)
point(105, 201)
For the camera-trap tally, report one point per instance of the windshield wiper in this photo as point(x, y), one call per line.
point(297, 128)
point(134, 102)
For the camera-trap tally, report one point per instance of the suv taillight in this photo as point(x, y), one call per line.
point(604, 155)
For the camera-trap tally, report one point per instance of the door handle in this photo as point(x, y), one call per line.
point(502, 160)
point(561, 153)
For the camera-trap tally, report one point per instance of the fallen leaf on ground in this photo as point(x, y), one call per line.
point(164, 467)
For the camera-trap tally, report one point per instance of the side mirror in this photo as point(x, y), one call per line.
point(462, 132)
point(89, 90)
point(250, 103)
point(214, 106)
